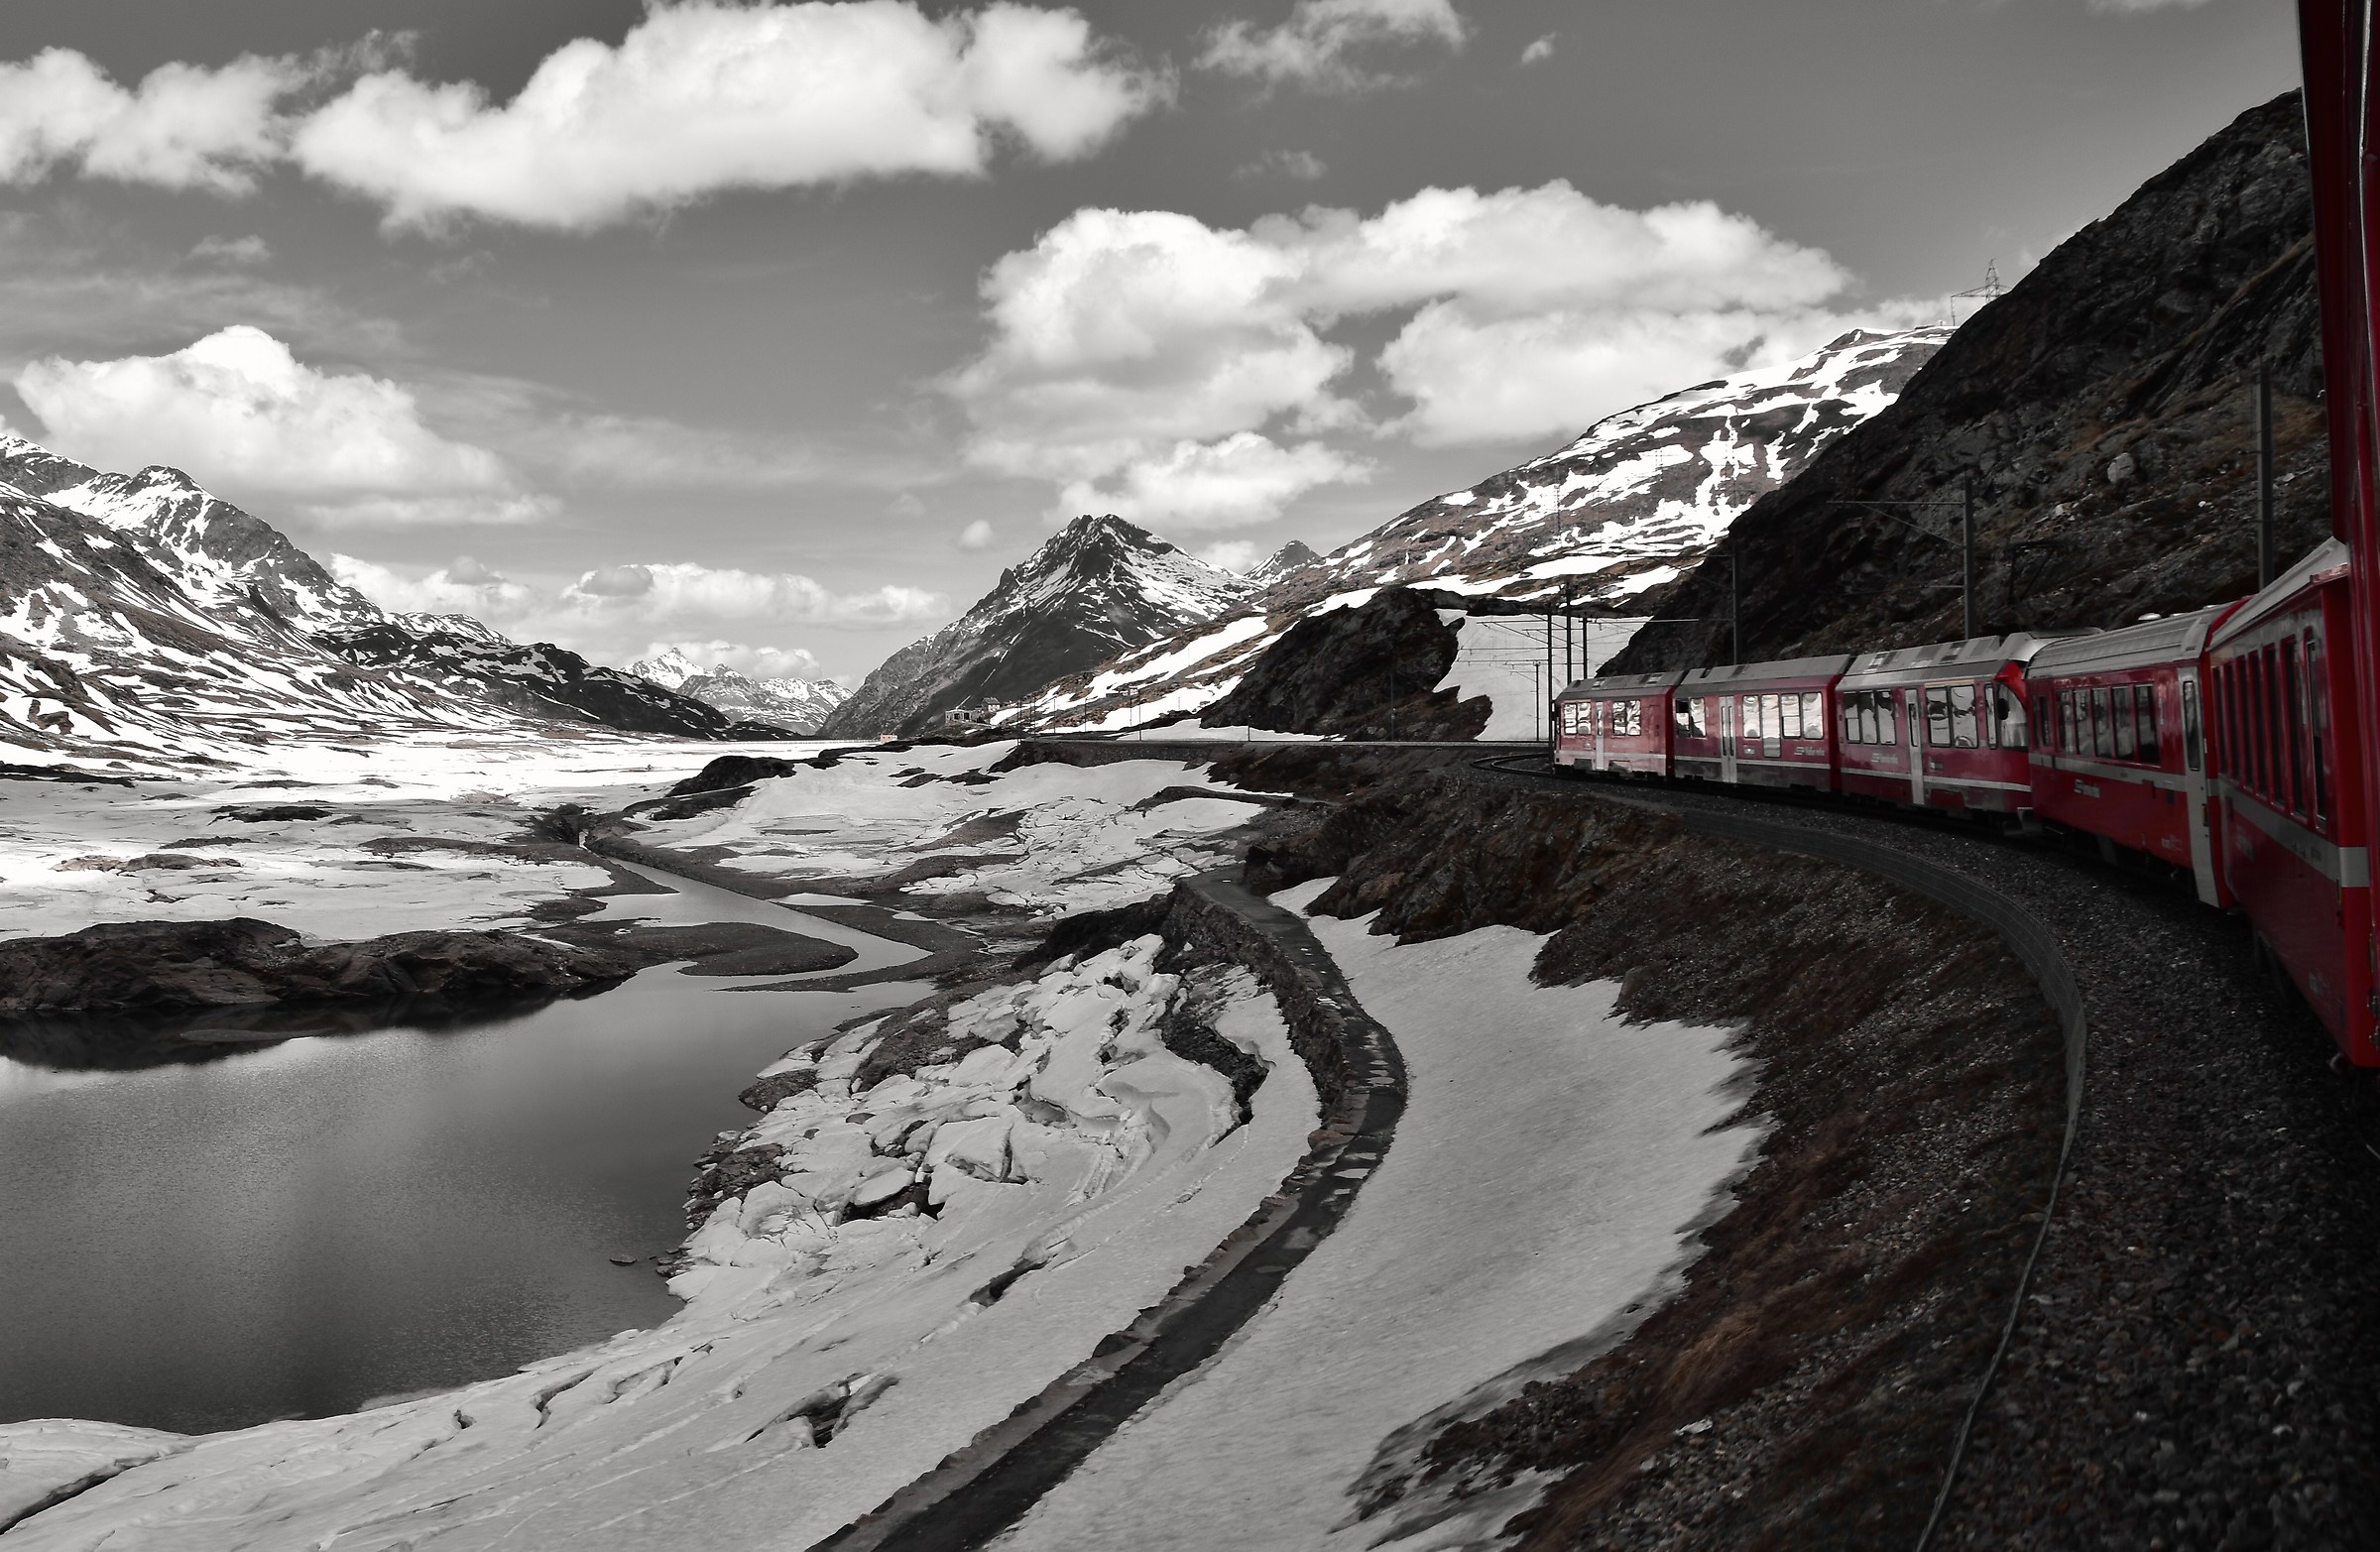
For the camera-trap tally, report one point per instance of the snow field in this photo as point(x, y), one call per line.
point(1048, 838)
point(822, 1361)
point(1544, 1178)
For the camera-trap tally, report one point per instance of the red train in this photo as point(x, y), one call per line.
point(2224, 743)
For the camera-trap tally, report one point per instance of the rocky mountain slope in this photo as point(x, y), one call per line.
point(107, 652)
point(2103, 410)
point(794, 704)
point(538, 679)
point(142, 612)
point(1099, 588)
point(1627, 506)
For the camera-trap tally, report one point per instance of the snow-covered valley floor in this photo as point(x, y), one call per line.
point(955, 1221)
point(1550, 1164)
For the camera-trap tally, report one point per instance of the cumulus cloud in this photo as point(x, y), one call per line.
point(1304, 165)
point(702, 97)
point(1149, 364)
point(461, 586)
point(1231, 554)
point(238, 409)
point(1318, 45)
point(976, 535)
point(1234, 482)
point(231, 250)
point(1539, 51)
point(758, 662)
point(184, 126)
point(667, 590)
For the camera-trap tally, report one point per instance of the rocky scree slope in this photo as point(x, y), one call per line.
point(1099, 588)
point(794, 704)
point(177, 618)
point(1625, 508)
point(1361, 674)
point(2103, 408)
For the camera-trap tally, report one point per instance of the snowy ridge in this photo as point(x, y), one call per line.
point(1099, 588)
point(1629, 504)
point(796, 705)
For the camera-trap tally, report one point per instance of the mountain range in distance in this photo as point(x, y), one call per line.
point(796, 704)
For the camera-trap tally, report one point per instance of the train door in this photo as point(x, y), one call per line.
point(1727, 738)
point(1602, 720)
point(2195, 791)
point(1913, 717)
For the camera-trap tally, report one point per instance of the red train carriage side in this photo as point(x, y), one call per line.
point(2118, 741)
point(2290, 831)
point(1940, 726)
point(1759, 724)
point(1617, 723)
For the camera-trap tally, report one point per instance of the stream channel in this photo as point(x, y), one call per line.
point(297, 1229)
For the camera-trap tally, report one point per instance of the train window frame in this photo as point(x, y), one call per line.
point(2069, 737)
point(2317, 725)
point(1813, 714)
point(1789, 715)
point(2103, 737)
point(2193, 736)
point(1685, 713)
point(2121, 727)
point(2148, 709)
point(1966, 725)
point(1936, 702)
point(2293, 707)
point(1846, 715)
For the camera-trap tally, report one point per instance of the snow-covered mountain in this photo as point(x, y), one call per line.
point(796, 705)
point(107, 652)
point(1633, 503)
point(1099, 588)
point(1638, 498)
point(140, 613)
point(1292, 556)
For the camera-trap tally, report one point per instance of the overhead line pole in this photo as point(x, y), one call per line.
point(1966, 556)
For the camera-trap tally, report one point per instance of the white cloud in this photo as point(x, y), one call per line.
point(231, 250)
point(1539, 51)
point(976, 535)
point(757, 662)
point(1152, 365)
point(184, 126)
point(1304, 165)
point(237, 409)
point(1233, 482)
point(461, 586)
point(702, 97)
point(1231, 554)
point(1316, 45)
point(672, 590)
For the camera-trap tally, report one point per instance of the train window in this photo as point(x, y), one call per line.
point(2268, 737)
point(2293, 726)
point(1888, 717)
point(2004, 727)
point(2145, 709)
point(1772, 717)
point(1962, 717)
point(2102, 739)
point(1751, 716)
point(1686, 712)
point(2318, 726)
point(2119, 724)
point(2070, 738)
point(2191, 755)
point(1847, 706)
point(2041, 718)
point(1937, 717)
point(1789, 716)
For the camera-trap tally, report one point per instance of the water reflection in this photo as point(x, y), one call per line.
point(292, 1229)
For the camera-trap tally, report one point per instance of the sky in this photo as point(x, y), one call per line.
point(773, 331)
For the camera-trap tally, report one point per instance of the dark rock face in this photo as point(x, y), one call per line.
point(1364, 673)
point(730, 771)
point(1097, 589)
point(163, 966)
point(717, 948)
point(2102, 409)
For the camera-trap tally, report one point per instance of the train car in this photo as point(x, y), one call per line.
point(1939, 727)
point(2120, 745)
point(2291, 834)
point(1759, 724)
point(1619, 723)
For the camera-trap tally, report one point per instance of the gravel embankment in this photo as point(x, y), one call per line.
point(2197, 1365)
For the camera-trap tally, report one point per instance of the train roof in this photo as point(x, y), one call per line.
point(1620, 684)
point(1732, 673)
point(2130, 646)
point(2319, 564)
point(1984, 655)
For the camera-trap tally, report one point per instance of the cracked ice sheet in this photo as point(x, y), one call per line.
point(1543, 1177)
point(1082, 841)
point(315, 875)
point(1110, 1159)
